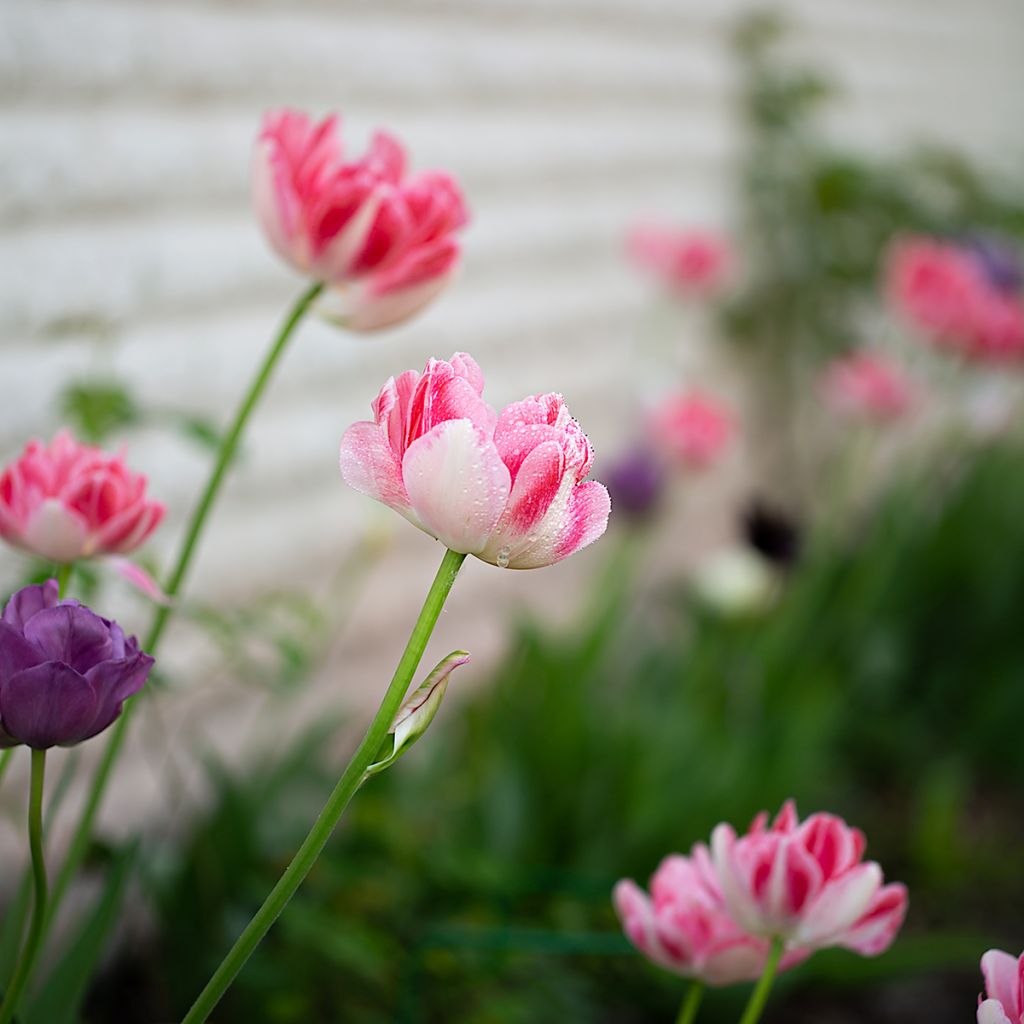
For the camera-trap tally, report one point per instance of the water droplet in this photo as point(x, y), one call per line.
point(504, 554)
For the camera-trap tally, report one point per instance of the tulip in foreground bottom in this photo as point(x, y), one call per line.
point(1004, 989)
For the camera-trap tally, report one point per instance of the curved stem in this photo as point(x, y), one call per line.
point(228, 448)
point(691, 1003)
point(758, 998)
point(35, 934)
point(343, 792)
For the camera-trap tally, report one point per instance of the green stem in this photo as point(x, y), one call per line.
point(64, 578)
point(35, 934)
point(5, 761)
point(758, 998)
point(343, 792)
point(691, 1003)
point(229, 446)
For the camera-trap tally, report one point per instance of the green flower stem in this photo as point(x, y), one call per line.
point(35, 934)
point(758, 998)
point(228, 448)
point(691, 1003)
point(5, 761)
point(64, 578)
point(343, 792)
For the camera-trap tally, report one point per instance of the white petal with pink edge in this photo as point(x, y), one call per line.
point(457, 484)
point(55, 532)
point(991, 1012)
point(369, 465)
point(842, 902)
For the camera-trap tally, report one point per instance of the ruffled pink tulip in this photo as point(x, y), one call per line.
point(807, 883)
point(694, 428)
point(687, 260)
point(684, 925)
point(384, 239)
point(868, 386)
point(66, 501)
point(508, 488)
point(1004, 989)
point(950, 293)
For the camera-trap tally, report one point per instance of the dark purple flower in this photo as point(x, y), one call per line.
point(998, 261)
point(635, 482)
point(64, 671)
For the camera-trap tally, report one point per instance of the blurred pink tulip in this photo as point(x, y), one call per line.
point(507, 488)
point(1004, 989)
point(694, 428)
point(383, 239)
point(684, 925)
point(688, 260)
point(806, 882)
point(868, 386)
point(66, 501)
point(951, 294)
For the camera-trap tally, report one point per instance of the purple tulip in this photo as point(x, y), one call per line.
point(64, 671)
point(635, 481)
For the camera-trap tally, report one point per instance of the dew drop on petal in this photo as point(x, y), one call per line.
point(504, 553)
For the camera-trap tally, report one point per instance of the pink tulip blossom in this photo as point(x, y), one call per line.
point(1004, 989)
point(686, 260)
point(684, 925)
point(694, 428)
point(868, 386)
point(509, 488)
point(806, 882)
point(384, 239)
point(67, 500)
point(958, 298)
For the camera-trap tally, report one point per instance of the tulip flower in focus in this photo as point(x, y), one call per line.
point(509, 488)
point(1004, 988)
point(66, 501)
point(382, 238)
point(686, 260)
point(684, 926)
point(693, 428)
point(64, 671)
point(867, 386)
point(806, 882)
point(964, 298)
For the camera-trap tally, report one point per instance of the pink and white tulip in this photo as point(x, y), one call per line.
point(686, 260)
point(1004, 989)
point(950, 294)
point(807, 882)
point(868, 386)
point(685, 927)
point(509, 488)
point(67, 500)
point(383, 239)
point(693, 428)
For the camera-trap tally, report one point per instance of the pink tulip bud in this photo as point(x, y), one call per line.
point(1004, 989)
point(686, 260)
point(508, 488)
point(684, 925)
point(806, 882)
point(694, 428)
point(950, 294)
point(66, 501)
point(383, 240)
point(867, 386)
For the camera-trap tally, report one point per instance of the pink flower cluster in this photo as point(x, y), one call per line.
point(953, 295)
point(687, 260)
point(1004, 989)
point(363, 226)
point(509, 488)
point(67, 500)
point(868, 386)
point(712, 915)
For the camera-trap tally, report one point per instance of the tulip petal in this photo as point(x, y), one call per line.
point(991, 1012)
point(369, 465)
point(55, 532)
point(47, 705)
point(114, 682)
point(587, 519)
point(1002, 974)
point(16, 653)
point(875, 931)
point(70, 634)
point(457, 484)
point(841, 903)
point(30, 600)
